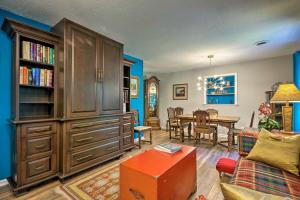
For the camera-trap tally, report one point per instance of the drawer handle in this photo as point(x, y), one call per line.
point(40, 129)
point(84, 139)
point(40, 167)
point(83, 125)
point(84, 157)
point(40, 146)
point(136, 194)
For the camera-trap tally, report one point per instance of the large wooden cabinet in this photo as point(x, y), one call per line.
point(77, 122)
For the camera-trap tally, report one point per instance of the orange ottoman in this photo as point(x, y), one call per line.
point(155, 175)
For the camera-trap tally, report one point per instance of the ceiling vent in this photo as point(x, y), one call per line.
point(262, 42)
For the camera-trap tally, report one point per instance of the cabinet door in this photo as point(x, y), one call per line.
point(83, 60)
point(111, 79)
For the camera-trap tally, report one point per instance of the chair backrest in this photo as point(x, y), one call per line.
point(212, 112)
point(171, 114)
point(178, 111)
point(201, 119)
point(136, 117)
point(252, 119)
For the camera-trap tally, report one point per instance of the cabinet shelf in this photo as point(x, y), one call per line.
point(226, 87)
point(34, 86)
point(220, 94)
point(35, 62)
point(36, 102)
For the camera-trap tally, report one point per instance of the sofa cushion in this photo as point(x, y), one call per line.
point(265, 178)
point(278, 150)
point(234, 192)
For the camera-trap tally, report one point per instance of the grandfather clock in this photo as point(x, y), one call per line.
point(151, 89)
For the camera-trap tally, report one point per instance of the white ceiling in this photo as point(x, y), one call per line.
point(175, 35)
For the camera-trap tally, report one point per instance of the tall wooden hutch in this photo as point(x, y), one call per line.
point(70, 116)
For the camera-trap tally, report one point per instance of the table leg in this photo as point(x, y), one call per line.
point(230, 137)
point(150, 136)
point(181, 133)
point(190, 130)
point(139, 133)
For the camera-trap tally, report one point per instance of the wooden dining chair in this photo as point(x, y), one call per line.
point(141, 129)
point(236, 131)
point(202, 125)
point(178, 111)
point(173, 122)
point(213, 113)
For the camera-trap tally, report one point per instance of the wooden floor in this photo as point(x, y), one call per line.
point(208, 181)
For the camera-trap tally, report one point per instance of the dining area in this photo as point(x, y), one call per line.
point(202, 126)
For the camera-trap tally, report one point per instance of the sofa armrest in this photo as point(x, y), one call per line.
point(247, 140)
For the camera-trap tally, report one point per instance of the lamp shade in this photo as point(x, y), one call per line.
point(287, 92)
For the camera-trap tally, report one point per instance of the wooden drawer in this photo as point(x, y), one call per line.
point(128, 141)
point(90, 124)
point(98, 150)
point(39, 145)
point(38, 166)
point(127, 127)
point(101, 133)
point(36, 129)
point(39, 169)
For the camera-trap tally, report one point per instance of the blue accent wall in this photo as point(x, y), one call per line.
point(297, 82)
point(137, 69)
point(5, 88)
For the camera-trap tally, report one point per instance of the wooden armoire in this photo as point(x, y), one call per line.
point(78, 121)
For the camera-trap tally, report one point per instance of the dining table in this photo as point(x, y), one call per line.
point(224, 121)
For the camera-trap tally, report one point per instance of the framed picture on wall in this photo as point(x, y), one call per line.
point(134, 87)
point(180, 91)
point(221, 89)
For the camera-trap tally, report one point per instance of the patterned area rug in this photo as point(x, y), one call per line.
point(98, 186)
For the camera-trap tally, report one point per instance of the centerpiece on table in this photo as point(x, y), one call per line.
point(266, 120)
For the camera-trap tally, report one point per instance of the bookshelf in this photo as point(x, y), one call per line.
point(126, 84)
point(34, 72)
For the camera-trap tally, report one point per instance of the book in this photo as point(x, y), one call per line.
point(33, 71)
point(21, 75)
point(25, 75)
point(37, 77)
point(168, 147)
point(50, 78)
point(30, 79)
point(45, 77)
point(42, 77)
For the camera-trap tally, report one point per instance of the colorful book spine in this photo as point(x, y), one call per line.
point(25, 75)
point(45, 77)
point(37, 77)
point(21, 75)
point(50, 78)
point(33, 71)
point(30, 77)
point(42, 77)
point(37, 52)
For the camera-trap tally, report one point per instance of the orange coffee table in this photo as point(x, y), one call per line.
point(155, 175)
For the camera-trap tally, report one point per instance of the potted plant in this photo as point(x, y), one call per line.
point(266, 120)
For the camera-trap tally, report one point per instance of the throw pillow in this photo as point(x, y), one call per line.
point(277, 150)
point(235, 192)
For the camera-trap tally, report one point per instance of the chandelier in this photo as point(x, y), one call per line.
point(214, 82)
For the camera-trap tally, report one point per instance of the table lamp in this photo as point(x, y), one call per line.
point(286, 93)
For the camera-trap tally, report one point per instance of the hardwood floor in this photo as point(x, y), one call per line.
point(208, 181)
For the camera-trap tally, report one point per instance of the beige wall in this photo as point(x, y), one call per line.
point(254, 78)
